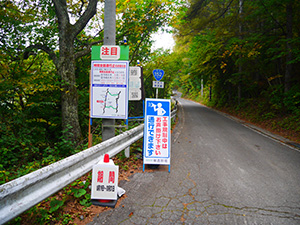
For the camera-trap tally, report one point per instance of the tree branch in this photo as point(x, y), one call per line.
point(137, 47)
point(86, 16)
point(195, 9)
point(88, 47)
point(225, 10)
point(61, 12)
point(270, 14)
point(46, 49)
point(87, 50)
point(81, 7)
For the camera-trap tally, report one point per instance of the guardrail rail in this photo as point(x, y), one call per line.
point(23, 193)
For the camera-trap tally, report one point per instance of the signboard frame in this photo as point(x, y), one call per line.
point(157, 110)
point(100, 88)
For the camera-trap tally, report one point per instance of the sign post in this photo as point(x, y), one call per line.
point(136, 92)
point(158, 75)
point(109, 38)
point(157, 132)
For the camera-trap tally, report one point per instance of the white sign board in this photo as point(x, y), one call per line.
point(109, 89)
point(110, 52)
point(158, 84)
point(157, 131)
point(105, 181)
point(135, 94)
point(135, 83)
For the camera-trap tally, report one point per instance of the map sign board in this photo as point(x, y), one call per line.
point(109, 89)
point(157, 135)
point(135, 83)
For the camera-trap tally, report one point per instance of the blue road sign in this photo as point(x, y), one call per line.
point(157, 132)
point(158, 107)
point(158, 74)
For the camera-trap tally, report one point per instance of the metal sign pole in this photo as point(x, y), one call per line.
point(108, 130)
point(90, 137)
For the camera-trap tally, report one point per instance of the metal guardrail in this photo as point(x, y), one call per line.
point(173, 113)
point(21, 194)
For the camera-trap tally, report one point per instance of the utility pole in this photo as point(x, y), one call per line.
point(108, 129)
point(241, 2)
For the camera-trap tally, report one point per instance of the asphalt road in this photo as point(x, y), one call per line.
point(222, 172)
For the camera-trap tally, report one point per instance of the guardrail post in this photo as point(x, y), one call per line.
point(127, 150)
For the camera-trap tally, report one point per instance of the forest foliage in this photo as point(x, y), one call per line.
point(34, 81)
point(229, 53)
point(245, 53)
point(240, 55)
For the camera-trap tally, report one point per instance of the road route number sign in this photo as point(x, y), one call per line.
point(158, 74)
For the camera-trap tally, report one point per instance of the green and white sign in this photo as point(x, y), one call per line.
point(109, 82)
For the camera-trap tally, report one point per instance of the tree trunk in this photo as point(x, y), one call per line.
point(241, 2)
point(289, 36)
point(69, 97)
point(66, 65)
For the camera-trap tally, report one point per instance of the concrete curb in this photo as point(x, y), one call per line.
point(266, 133)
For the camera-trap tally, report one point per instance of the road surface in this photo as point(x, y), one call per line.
point(222, 172)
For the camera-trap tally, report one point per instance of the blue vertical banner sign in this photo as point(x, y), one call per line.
point(157, 132)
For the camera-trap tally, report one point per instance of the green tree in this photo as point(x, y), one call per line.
point(28, 92)
point(72, 45)
point(254, 44)
point(65, 60)
point(45, 63)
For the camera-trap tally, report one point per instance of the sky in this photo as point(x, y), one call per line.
point(162, 40)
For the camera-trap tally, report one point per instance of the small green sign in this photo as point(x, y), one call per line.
point(124, 52)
